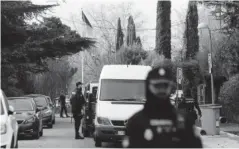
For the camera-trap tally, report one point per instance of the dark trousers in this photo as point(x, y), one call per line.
point(63, 108)
point(77, 118)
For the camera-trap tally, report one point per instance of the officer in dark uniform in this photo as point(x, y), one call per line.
point(158, 125)
point(187, 107)
point(77, 107)
point(62, 100)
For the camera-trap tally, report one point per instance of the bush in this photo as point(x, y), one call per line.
point(192, 77)
point(228, 97)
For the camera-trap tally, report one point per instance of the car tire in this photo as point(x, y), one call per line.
point(50, 125)
point(98, 143)
point(36, 135)
point(54, 121)
point(41, 132)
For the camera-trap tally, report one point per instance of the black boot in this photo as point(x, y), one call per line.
point(77, 136)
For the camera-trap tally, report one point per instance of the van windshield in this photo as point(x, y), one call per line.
point(2, 110)
point(122, 90)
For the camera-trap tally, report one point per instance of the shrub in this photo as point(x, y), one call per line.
point(228, 97)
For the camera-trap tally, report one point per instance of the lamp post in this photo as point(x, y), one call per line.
point(205, 26)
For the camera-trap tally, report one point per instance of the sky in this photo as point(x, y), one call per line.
point(70, 8)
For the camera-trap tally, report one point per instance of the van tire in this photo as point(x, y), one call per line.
point(16, 146)
point(12, 142)
point(98, 143)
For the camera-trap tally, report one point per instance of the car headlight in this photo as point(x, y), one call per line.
point(48, 112)
point(3, 128)
point(103, 121)
point(37, 114)
point(30, 120)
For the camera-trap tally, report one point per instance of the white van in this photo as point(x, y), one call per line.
point(120, 95)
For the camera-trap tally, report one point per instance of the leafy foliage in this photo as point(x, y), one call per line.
point(56, 79)
point(228, 12)
point(25, 47)
point(192, 77)
point(229, 98)
point(132, 55)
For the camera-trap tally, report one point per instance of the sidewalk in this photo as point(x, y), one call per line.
point(225, 139)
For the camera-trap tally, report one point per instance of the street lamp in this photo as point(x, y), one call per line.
point(205, 26)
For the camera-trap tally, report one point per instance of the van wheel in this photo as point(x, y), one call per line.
point(12, 143)
point(16, 146)
point(98, 143)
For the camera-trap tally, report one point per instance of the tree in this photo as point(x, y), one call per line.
point(163, 29)
point(119, 36)
point(191, 31)
point(95, 61)
point(131, 33)
point(226, 11)
point(25, 46)
point(104, 20)
point(56, 79)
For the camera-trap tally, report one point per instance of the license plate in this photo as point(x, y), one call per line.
point(121, 133)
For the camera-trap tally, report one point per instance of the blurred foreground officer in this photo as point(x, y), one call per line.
point(77, 106)
point(158, 125)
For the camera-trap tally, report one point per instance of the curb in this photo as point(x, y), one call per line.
point(199, 131)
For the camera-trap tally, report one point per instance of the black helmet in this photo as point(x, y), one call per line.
point(78, 83)
point(160, 81)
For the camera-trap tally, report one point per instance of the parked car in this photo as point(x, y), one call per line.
point(44, 105)
point(8, 124)
point(53, 108)
point(29, 117)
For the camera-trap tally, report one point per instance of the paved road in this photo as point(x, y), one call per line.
point(60, 136)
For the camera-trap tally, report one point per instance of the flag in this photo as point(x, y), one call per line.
point(87, 27)
point(84, 18)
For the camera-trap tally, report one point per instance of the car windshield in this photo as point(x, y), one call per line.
point(122, 90)
point(41, 101)
point(2, 110)
point(21, 104)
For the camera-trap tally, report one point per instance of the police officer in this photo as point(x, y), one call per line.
point(158, 125)
point(188, 107)
point(62, 100)
point(77, 106)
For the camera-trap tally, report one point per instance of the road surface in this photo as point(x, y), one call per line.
point(60, 136)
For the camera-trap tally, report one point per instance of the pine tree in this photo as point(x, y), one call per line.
point(119, 36)
point(24, 46)
point(163, 29)
point(131, 33)
point(191, 31)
